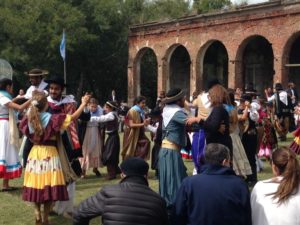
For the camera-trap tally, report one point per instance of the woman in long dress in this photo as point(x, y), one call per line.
point(10, 166)
point(92, 142)
point(240, 161)
point(44, 180)
point(135, 142)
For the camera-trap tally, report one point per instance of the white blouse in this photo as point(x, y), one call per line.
point(266, 210)
point(3, 101)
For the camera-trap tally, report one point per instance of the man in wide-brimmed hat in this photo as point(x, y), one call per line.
point(171, 167)
point(36, 78)
point(59, 103)
point(283, 108)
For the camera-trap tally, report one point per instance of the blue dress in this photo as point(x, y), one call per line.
point(171, 167)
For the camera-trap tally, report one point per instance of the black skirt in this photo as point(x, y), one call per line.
point(111, 150)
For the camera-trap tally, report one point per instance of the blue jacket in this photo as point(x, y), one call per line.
point(214, 197)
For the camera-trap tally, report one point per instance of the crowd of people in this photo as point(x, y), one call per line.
point(225, 132)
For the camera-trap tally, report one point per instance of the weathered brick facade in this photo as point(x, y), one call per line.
point(277, 21)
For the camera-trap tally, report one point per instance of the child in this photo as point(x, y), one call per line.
point(44, 179)
point(110, 154)
point(10, 166)
point(269, 139)
point(92, 142)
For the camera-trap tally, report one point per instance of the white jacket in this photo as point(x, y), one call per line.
point(266, 211)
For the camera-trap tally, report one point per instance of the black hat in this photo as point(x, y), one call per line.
point(211, 83)
point(36, 72)
point(278, 87)
point(249, 89)
point(246, 97)
point(112, 104)
point(134, 166)
point(173, 95)
point(155, 112)
point(56, 80)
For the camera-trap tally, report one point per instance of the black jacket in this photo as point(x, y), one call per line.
point(131, 202)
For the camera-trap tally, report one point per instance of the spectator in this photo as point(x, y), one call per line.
point(277, 200)
point(216, 196)
point(127, 203)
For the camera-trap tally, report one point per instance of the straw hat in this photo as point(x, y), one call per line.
point(36, 72)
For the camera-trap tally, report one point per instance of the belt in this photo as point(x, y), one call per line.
point(48, 143)
point(169, 145)
point(3, 118)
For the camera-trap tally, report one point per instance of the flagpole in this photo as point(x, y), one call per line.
point(64, 58)
point(65, 75)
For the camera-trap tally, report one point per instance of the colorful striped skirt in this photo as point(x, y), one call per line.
point(43, 179)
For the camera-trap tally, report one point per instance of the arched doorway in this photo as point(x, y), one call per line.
point(146, 75)
point(257, 62)
point(179, 62)
point(215, 62)
point(293, 60)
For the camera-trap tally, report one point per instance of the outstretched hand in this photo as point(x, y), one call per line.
point(86, 98)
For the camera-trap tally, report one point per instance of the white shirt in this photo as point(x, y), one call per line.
point(32, 88)
point(3, 101)
point(104, 118)
point(63, 100)
point(282, 96)
point(266, 211)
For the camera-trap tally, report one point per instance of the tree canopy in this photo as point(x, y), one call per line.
point(96, 34)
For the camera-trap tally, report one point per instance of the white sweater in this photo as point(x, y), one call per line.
point(266, 211)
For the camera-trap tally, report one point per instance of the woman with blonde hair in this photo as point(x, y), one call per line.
point(44, 181)
point(277, 201)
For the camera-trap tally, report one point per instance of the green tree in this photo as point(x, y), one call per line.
point(204, 6)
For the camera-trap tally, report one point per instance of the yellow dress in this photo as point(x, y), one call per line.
point(44, 180)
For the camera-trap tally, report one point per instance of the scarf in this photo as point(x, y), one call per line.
point(44, 118)
point(168, 113)
point(12, 121)
point(67, 105)
point(98, 112)
point(139, 110)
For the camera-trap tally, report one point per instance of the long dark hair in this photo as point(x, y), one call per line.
point(4, 82)
point(288, 167)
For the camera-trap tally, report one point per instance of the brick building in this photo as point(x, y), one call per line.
point(257, 43)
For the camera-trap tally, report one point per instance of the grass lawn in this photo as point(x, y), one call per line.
point(14, 211)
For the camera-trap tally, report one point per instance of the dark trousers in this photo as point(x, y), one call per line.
point(250, 144)
point(27, 147)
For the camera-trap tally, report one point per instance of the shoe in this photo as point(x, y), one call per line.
point(111, 178)
point(8, 189)
point(96, 171)
point(38, 222)
point(68, 215)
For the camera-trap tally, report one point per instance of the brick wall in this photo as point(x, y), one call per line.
point(278, 22)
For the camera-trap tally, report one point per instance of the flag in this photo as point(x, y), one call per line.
point(62, 47)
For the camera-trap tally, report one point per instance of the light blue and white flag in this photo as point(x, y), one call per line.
point(62, 46)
